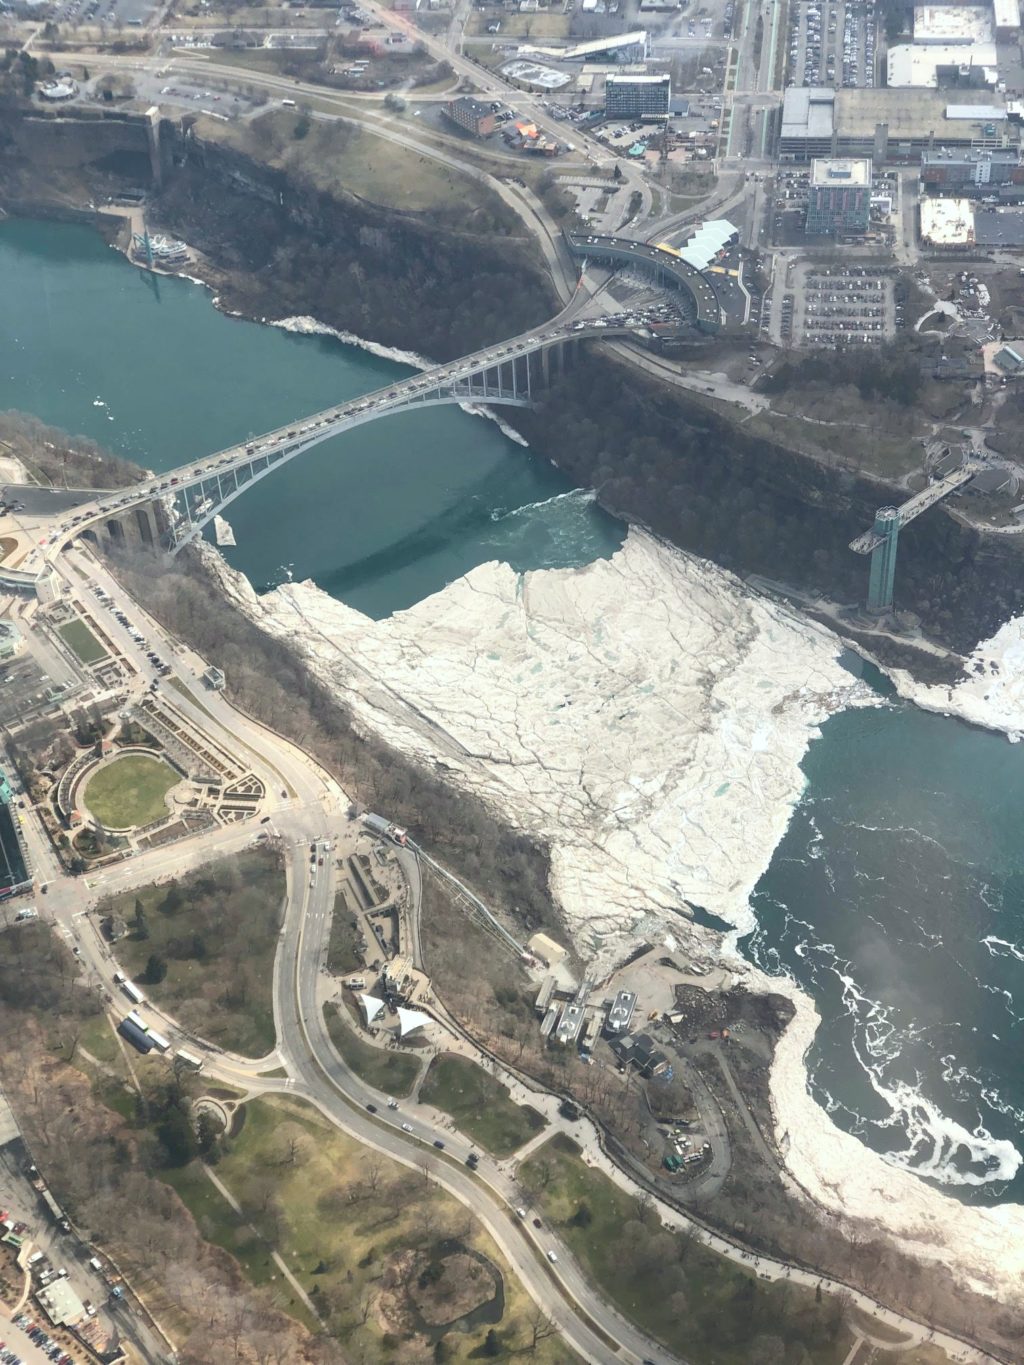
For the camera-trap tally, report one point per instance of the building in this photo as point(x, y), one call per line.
point(642, 1052)
point(549, 952)
point(838, 196)
point(620, 1012)
point(214, 679)
point(10, 641)
point(966, 167)
point(947, 223)
point(1007, 17)
point(642, 97)
point(60, 1303)
point(999, 227)
point(472, 115)
point(947, 65)
point(708, 243)
point(889, 125)
point(622, 47)
point(943, 25)
point(1008, 360)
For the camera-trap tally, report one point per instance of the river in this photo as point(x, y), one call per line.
point(896, 898)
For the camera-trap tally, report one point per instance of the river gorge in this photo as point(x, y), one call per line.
point(869, 850)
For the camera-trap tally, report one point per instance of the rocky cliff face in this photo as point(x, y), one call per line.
point(396, 278)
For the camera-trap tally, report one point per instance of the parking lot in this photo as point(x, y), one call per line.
point(132, 13)
point(831, 44)
point(840, 306)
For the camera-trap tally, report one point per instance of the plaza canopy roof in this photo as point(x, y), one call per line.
point(371, 1006)
point(410, 1020)
point(709, 239)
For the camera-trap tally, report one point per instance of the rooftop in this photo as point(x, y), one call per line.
point(999, 227)
point(847, 171)
point(947, 222)
point(916, 65)
point(952, 24)
point(908, 113)
point(807, 112)
point(1007, 13)
point(468, 105)
point(638, 80)
point(61, 1303)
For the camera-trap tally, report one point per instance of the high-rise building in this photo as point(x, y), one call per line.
point(839, 196)
point(642, 97)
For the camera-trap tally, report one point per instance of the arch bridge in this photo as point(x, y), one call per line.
point(502, 375)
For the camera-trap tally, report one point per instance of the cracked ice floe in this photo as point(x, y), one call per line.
point(645, 715)
point(992, 692)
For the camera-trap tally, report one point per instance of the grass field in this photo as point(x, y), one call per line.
point(343, 957)
point(216, 931)
point(697, 1303)
point(479, 1104)
point(392, 1072)
point(341, 1216)
point(82, 642)
point(130, 791)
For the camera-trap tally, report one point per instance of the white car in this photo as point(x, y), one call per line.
point(406, 1127)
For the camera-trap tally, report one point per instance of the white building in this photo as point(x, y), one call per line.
point(947, 222)
point(946, 24)
point(916, 65)
point(1007, 16)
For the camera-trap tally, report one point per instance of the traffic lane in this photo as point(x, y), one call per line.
point(395, 1136)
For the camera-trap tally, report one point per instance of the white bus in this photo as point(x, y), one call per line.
point(158, 1040)
point(188, 1059)
point(132, 991)
point(137, 1020)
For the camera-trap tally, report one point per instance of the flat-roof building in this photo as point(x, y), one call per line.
point(642, 97)
point(472, 115)
point(929, 66)
point(838, 196)
point(621, 47)
point(999, 227)
point(944, 24)
point(1007, 17)
point(947, 223)
point(889, 125)
point(1001, 166)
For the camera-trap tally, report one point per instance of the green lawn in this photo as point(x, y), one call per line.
point(130, 791)
point(341, 1217)
point(479, 1104)
point(83, 642)
point(696, 1302)
point(216, 933)
point(343, 956)
point(393, 1072)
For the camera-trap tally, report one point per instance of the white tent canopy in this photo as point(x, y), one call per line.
point(410, 1020)
point(371, 1007)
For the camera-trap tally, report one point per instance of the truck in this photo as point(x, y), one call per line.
point(377, 824)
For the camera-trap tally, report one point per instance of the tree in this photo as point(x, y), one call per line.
point(156, 969)
point(492, 1345)
point(540, 1327)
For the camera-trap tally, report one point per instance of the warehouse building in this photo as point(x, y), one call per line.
point(838, 196)
point(644, 97)
point(472, 115)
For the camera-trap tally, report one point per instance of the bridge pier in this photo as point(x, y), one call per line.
point(882, 579)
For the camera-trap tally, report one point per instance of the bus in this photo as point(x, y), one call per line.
point(132, 992)
point(137, 1020)
point(158, 1040)
point(189, 1059)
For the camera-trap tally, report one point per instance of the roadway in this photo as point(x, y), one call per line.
point(304, 804)
point(220, 476)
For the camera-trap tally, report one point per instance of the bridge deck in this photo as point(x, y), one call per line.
point(914, 506)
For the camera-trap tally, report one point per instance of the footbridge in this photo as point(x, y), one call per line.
point(194, 493)
point(881, 540)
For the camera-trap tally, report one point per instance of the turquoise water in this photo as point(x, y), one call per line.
point(897, 895)
point(381, 517)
